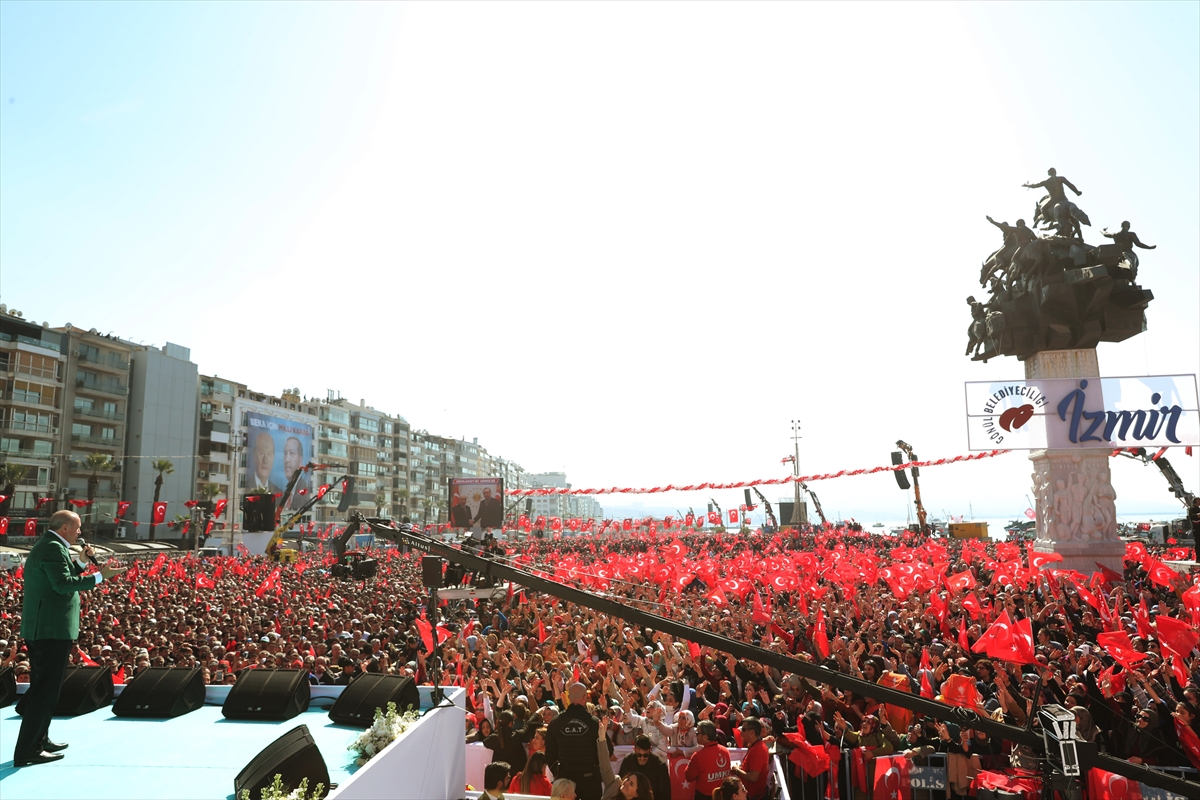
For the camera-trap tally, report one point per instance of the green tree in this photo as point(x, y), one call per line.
point(163, 467)
point(210, 490)
point(95, 463)
point(381, 501)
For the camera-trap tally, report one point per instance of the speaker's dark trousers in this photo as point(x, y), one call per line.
point(47, 666)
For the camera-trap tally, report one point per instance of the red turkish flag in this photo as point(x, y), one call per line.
point(31, 527)
point(122, 507)
point(689, 519)
point(205, 582)
point(1177, 634)
point(971, 604)
point(158, 514)
point(426, 631)
point(714, 518)
point(733, 515)
point(1161, 574)
point(219, 507)
point(812, 759)
point(541, 632)
point(191, 503)
point(892, 780)
point(81, 503)
point(1110, 786)
point(556, 524)
point(961, 582)
point(42, 501)
point(626, 524)
point(3, 526)
point(681, 788)
point(1117, 645)
point(820, 637)
point(675, 551)
point(1190, 741)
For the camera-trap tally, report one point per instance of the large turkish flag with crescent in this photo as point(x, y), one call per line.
point(891, 779)
point(681, 789)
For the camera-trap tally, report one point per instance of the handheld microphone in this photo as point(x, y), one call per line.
point(83, 546)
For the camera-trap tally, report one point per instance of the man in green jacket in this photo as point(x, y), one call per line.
point(50, 626)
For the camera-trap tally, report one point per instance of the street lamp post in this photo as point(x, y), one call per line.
point(795, 520)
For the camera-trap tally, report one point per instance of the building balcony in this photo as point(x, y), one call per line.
point(100, 386)
point(218, 458)
point(97, 413)
point(106, 360)
point(32, 455)
point(100, 441)
point(32, 428)
point(30, 340)
point(28, 399)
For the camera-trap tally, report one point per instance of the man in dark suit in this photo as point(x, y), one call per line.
point(491, 511)
point(50, 626)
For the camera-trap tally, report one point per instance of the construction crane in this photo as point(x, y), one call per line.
point(816, 502)
point(1045, 743)
point(1169, 473)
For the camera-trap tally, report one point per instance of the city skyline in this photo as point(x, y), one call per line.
point(635, 239)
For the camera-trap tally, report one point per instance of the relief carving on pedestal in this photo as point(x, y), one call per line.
point(1076, 505)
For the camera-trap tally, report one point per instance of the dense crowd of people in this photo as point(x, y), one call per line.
point(988, 625)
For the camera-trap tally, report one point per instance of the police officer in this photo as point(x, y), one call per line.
point(571, 745)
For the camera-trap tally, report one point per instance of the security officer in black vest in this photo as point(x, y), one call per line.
point(571, 745)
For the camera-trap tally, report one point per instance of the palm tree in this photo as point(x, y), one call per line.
point(402, 496)
point(210, 490)
point(95, 463)
point(381, 500)
point(162, 467)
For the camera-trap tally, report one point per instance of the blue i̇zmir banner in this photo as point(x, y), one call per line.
point(1151, 411)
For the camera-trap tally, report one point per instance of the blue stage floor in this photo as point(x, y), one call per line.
point(195, 756)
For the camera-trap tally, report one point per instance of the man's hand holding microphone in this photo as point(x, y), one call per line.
point(105, 572)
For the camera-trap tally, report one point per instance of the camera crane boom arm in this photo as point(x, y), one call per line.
point(931, 708)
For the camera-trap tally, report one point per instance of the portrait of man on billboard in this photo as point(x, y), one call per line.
point(261, 463)
point(460, 512)
point(293, 459)
point(491, 511)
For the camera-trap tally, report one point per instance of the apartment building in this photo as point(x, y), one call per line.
point(32, 368)
point(162, 426)
point(369, 444)
point(552, 505)
point(94, 420)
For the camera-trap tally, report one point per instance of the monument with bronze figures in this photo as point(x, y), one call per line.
point(1052, 297)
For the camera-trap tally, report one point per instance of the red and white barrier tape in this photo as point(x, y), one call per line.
point(761, 482)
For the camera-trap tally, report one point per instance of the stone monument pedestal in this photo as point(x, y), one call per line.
point(1074, 497)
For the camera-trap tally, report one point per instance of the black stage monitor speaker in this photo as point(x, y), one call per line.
point(276, 694)
point(431, 571)
point(258, 512)
point(8, 686)
point(161, 693)
point(84, 689)
point(357, 703)
point(293, 756)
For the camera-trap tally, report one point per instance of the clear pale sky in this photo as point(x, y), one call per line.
point(628, 240)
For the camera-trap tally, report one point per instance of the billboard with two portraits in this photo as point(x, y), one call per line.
point(275, 449)
point(476, 504)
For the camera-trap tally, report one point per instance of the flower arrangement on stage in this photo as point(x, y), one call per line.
point(387, 728)
point(278, 791)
